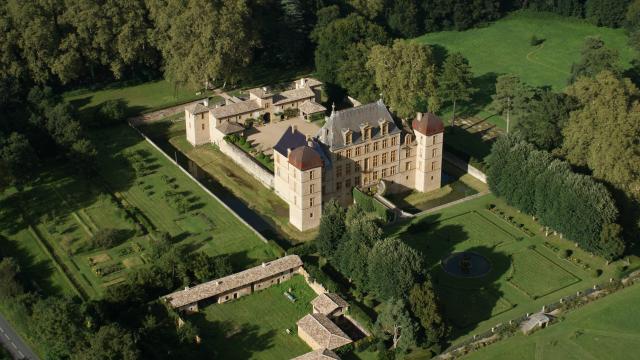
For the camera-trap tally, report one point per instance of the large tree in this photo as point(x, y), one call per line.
point(332, 228)
point(111, 342)
point(595, 58)
point(18, 157)
point(512, 97)
point(56, 324)
point(393, 269)
point(542, 125)
point(394, 322)
point(606, 12)
point(455, 82)
point(425, 306)
point(406, 74)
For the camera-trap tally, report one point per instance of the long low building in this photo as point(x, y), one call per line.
point(236, 285)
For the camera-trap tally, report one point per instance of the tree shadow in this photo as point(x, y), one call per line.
point(466, 300)
point(485, 86)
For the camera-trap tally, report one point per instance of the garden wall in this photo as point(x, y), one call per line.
point(465, 166)
point(247, 163)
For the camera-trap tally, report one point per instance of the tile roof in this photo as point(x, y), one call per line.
point(290, 139)
point(232, 282)
point(305, 158)
point(311, 107)
point(328, 303)
point(197, 108)
point(331, 132)
point(427, 124)
point(238, 108)
point(229, 127)
point(260, 92)
point(323, 331)
point(293, 95)
point(320, 354)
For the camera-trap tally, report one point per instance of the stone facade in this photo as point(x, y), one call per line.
point(360, 146)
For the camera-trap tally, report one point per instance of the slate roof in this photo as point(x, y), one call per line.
point(323, 331)
point(311, 107)
point(320, 354)
point(293, 95)
point(290, 139)
point(427, 124)
point(372, 113)
point(228, 127)
point(328, 303)
point(238, 108)
point(233, 281)
point(305, 158)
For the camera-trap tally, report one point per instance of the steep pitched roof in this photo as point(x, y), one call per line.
point(323, 331)
point(228, 127)
point(197, 108)
point(427, 124)
point(290, 139)
point(351, 119)
point(320, 354)
point(231, 282)
point(238, 108)
point(311, 107)
point(305, 158)
point(328, 303)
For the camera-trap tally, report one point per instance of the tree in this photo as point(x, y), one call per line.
point(370, 9)
point(332, 228)
point(18, 157)
point(425, 306)
point(395, 322)
point(9, 285)
point(402, 18)
point(56, 324)
point(602, 134)
point(512, 96)
point(393, 269)
point(459, 14)
point(609, 13)
point(111, 342)
point(112, 112)
point(354, 75)
point(595, 58)
point(455, 82)
point(542, 125)
point(406, 72)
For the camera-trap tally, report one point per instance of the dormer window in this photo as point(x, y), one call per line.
point(408, 139)
point(384, 127)
point(348, 136)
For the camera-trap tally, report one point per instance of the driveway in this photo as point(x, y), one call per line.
point(263, 138)
point(14, 343)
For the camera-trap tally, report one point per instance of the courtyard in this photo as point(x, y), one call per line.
point(264, 138)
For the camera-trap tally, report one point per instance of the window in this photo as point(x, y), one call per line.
point(375, 145)
point(347, 184)
point(375, 175)
point(434, 152)
point(393, 156)
point(312, 187)
point(392, 170)
point(394, 141)
point(365, 179)
point(366, 164)
point(384, 158)
point(407, 153)
point(348, 138)
point(202, 126)
point(310, 216)
point(384, 173)
point(433, 165)
point(347, 169)
point(385, 143)
point(384, 128)
point(310, 201)
point(348, 154)
point(311, 175)
point(357, 181)
point(339, 171)
point(366, 149)
point(358, 165)
point(408, 139)
point(338, 186)
point(358, 150)
point(366, 134)
point(434, 139)
point(375, 161)
point(407, 165)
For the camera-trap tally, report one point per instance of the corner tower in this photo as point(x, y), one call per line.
point(305, 186)
point(429, 132)
point(197, 122)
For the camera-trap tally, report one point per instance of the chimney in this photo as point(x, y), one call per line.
point(309, 141)
point(205, 101)
point(288, 152)
point(264, 88)
point(264, 264)
point(419, 116)
point(302, 82)
point(293, 129)
point(186, 288)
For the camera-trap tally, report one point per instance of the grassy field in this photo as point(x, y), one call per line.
point(254, 326)
point(233, 178)
point(48, 224)
point(527, 270)
point(604, 329)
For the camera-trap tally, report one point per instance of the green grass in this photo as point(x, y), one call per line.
point(605, 329)
point(254, 326)
point(525, 274)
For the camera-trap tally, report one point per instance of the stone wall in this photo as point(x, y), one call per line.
point(466, 167)
point(247, 163)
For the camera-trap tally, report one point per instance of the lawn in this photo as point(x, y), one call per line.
point(254, 326)
point(233, 178)
point(605, 329)
point(526, 268)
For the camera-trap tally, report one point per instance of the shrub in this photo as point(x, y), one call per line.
point(535, 41)
point(106, 238)
point(291, 112)
point(344, 350)
point(248, 123)
point(566, 253)
point(304, 249)
point(112, 112)
point(596, 273)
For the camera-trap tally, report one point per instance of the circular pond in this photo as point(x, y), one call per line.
point(466, 264)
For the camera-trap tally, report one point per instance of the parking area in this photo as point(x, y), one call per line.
point(263, 138)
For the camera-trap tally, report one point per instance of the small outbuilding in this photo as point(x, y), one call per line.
point(535, 321)
point(319, 332)
point(330, 305)
point(320, 354)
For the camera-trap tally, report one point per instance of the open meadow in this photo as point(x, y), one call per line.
point(603, 329)
point(526, 269)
